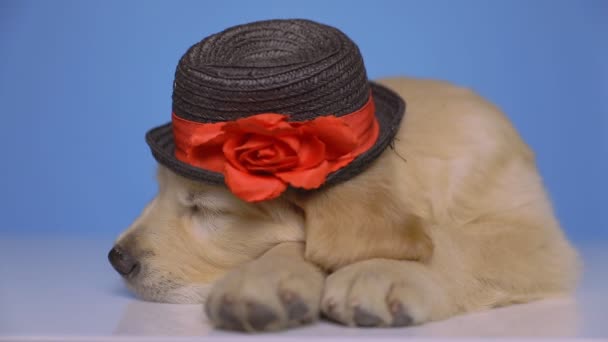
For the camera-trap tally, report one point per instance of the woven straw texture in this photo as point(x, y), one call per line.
point(294, 67)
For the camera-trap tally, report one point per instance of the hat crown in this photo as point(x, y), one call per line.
point(296, 67)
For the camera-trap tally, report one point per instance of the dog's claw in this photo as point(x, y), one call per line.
point(227, 317)
point(295, 306)
point(364, 318)
point(259, 316)
point(400, 317)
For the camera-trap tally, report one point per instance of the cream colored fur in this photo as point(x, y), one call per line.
point(453, 219)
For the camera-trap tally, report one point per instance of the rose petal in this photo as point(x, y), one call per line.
point(263, 124)
point(341, 162)
point(293, 141)
point(284, 150)
point(252, 188)
point(311, 153)
point(230, 152)
point(253, 141)
point(338, 137)
point(266, 153)
point(307, 179)
point(258, 157)
point(248, 150)
point(283, 158)
point(286, 158)
point(247, 157)
point(288, 163)
point(278, 163)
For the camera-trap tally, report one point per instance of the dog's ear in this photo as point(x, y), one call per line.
point(362, 219)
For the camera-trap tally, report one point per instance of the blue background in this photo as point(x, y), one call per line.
point(81, 82)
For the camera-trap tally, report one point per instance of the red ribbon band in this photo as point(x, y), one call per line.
point(262, 154)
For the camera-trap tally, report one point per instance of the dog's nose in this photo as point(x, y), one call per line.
point(122, 261)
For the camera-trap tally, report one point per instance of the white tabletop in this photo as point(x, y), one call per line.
point(64, 288)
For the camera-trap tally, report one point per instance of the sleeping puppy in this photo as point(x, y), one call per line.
point(452, 218)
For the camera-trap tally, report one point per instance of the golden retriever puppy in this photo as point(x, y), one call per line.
point(452, 218)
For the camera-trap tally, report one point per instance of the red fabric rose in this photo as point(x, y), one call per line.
point(262, 154)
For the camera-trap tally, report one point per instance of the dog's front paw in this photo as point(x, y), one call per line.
point(378, 293)
point(266, 296)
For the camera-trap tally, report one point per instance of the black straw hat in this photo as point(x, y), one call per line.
point(295, 67)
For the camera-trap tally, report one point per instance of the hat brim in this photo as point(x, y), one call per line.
point(390, 109)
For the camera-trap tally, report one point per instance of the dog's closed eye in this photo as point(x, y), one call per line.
point(195, 208)
point(199, 203)
point(192, 204)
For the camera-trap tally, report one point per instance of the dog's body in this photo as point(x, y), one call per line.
point(453, 218)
